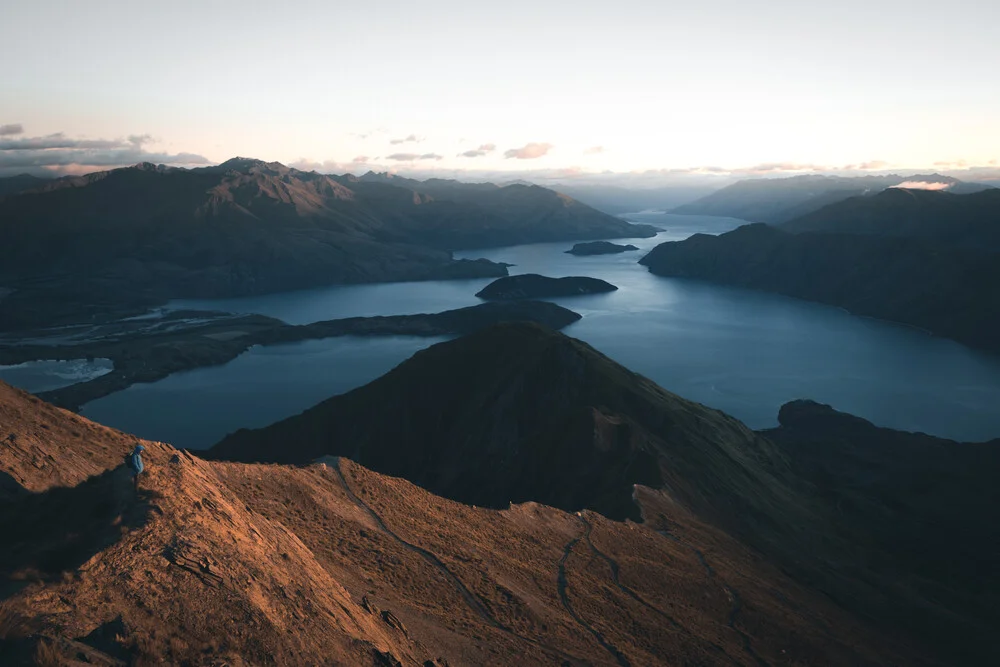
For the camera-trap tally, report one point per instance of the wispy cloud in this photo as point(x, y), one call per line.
point(361, 159)
point(594, 150)
point(483, 149)
point(411, 139)
point(57, 153)
point(411, 157)
point(922, 185)
point(11, 129)
point(530, 151)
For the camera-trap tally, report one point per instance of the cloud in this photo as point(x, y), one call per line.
point(594, 150)
point(529, 151)
point(410, 139)
point(57, 153)
point(58, 140)
point(479, 152)
point(361, 159)
point(410, 157)
point(11, 128)
point(871, 165)
point(922, 185)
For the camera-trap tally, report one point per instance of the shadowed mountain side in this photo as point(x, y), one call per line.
point(332, 563)
point(117, 240)
point(952, 292)
point(518, 412)
point(972, 220)
point(924, 510)
point(778, 200)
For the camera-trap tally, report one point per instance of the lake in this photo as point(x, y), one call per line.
point(740, 351)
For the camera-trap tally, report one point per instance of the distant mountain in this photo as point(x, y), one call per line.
point(517, 412)
point(10, 185)
point(79, 246)
point(778, 200)
point(948, 290)
point(971, 220)
point(616, 200)
point(510, 214)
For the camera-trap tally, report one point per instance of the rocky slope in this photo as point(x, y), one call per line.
point(117, 240)
point(778, 200)
point(229, 563)
point(949, 290)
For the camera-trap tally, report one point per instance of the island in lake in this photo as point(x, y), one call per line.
point(534, 286)
point(599, 248)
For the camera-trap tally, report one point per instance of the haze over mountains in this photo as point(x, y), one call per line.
point(778, 200)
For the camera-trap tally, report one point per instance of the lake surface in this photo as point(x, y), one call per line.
point(46, 375)
point(743, 352)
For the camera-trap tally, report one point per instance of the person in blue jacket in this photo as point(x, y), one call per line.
point(134, 461)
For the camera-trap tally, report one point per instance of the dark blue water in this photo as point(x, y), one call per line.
point(740, 351)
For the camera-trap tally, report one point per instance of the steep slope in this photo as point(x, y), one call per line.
point(925, 510)
point(971, 220)
point(226, 563)
point(778, 200)
point(518, 412)
point(950, 291)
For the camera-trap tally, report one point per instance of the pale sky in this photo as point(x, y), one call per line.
point(592, 86)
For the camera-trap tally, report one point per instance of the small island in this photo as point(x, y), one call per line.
point(534, 286)
point(599, 248)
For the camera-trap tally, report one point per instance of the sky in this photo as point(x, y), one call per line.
point(727, 87)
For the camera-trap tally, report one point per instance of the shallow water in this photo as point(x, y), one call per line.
point(46, 375)
point(740, 351)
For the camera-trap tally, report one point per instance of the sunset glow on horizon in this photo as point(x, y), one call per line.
point(451, 87)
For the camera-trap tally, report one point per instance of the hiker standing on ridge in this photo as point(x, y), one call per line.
point(134, 461)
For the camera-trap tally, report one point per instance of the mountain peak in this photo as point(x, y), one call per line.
point(246, 164)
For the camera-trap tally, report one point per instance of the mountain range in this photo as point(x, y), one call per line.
point(799, 545)
point(79, 247)
point(927, 259)
point(778, 200)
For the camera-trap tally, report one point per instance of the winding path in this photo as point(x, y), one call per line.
point(563, 586)
point(734, 597)
point(616, 574)
point(471, 600)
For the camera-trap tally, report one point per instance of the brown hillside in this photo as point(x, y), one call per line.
point(239, 564)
